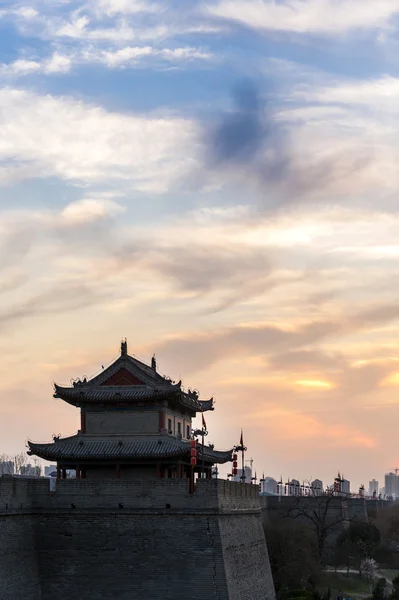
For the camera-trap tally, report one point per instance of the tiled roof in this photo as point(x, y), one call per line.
point(153, 386)
point(112, 393)
point(77, 447)
point(206, 404)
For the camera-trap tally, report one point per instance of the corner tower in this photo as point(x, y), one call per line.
point(134, 423)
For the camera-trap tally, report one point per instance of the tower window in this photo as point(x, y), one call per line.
point(179, 428)
point(169, 425)
point(188, 431)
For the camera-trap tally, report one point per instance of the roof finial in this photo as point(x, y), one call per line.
point(124, 348)
point(154, 363)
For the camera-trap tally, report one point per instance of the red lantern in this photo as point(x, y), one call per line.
point(234, 471)
point(193, 443)
point(235, 464)
point(234, 456)
point(193, 452)
point(193, 461)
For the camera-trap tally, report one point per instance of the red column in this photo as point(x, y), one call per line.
point(63, 473)
point(77, 472)
point(58, 472)
point(118, 471)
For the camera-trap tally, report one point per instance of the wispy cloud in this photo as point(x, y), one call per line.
point(56, 64)
point(307, 16)
point(82, 142)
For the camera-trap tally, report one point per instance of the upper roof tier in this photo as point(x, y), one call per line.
point(128, 380)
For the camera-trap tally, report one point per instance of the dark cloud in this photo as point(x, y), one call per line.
point(234, 273)
point(287, 348)
point(198, 352)
point(306, 360)
point(254, 144)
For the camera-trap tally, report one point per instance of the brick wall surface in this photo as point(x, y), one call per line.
point(19, 575)
point(246, 558)
point(164, 543)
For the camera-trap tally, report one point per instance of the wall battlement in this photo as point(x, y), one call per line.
point(164, 544)
point(17, 493)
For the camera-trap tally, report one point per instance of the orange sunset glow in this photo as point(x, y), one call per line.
point(220, 187)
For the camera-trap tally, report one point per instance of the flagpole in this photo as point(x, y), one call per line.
point(202, 464)
point(241, 448)
point(203, 428)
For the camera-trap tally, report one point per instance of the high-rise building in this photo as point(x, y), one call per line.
point(247, 474)
point(30, 471)
point(316, 487)
point(391, 485)
point(345, 486)
point(294, 488)
point(7, 467)
point(269, 486)
point(373, 488)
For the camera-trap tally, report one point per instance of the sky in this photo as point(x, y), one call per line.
point(217, 182)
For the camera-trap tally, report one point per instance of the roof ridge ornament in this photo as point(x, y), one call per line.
point(124, 348)
point(153, 363)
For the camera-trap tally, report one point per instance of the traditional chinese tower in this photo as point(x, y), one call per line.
point(135, 423)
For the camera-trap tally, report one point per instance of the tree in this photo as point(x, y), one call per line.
point(395, 590)
point(368, 568)
point(324, 514)
point(364, 536)
point(20, 461)
point(358, 541)
point(380, 592)
point(292, 553)
point(10, 465)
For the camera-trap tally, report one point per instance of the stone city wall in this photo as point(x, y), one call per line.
point(131, 539)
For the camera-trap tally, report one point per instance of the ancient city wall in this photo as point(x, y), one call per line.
point(19, 573)
point(132, 539)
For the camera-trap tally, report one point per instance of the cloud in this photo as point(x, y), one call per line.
point(290, 347)
point(373, 94)
point(131, 55)
point(56, 64)
point(126, 57)
point(284, 161)
point(124, 7)
point(232, 272)
point(90, 209)
point(307, 16)
point(80, 142)
point(27, 12)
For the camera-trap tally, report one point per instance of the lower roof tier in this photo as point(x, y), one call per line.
point(80, 447)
